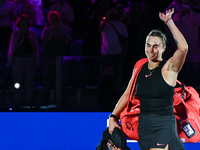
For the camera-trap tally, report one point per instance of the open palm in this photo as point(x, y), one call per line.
point(167, 15)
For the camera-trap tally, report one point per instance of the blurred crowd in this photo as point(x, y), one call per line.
point(111, 33)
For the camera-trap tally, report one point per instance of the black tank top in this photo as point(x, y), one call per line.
point(156, 96)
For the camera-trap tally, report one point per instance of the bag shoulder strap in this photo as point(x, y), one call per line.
point(182, 85)
point(138, 66)
point(141, 62)
point(114, 28)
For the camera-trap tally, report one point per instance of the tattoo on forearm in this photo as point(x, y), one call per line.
point(176, 41)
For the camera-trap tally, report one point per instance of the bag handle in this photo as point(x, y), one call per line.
point(185, 104)
point(183, 98)
point(184, 88)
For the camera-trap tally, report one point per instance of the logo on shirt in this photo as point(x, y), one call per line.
point(160, 144)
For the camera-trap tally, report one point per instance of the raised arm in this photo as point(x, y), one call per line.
point(178, 59)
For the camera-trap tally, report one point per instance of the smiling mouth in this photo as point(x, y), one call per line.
point(151, 55)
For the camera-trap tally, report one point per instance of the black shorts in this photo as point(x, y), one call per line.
point(158, 131)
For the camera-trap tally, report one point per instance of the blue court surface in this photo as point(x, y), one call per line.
point(56, 131)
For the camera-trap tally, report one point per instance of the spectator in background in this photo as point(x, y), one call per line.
point(66, 13)
point(32, 9)
point(123, 2)
point(188, 22)
point(111, 49)
point(23, 57)
point(123, 14)
point(177, 5)
point(92, 41)
point(55, 39)
point(137, 30)
point(8, 14)
point(103, 5)
point(92, 44)
point(66, 16)
point(120, 9)
point(82, 17)
point(107, 92)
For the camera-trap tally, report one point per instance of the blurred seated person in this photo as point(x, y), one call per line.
point(23, 57)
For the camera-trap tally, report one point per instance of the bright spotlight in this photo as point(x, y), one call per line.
point(17, 85)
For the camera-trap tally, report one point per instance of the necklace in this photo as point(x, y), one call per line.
point(150, 72)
